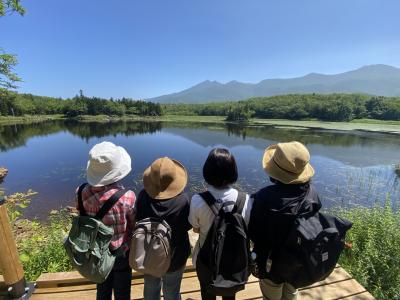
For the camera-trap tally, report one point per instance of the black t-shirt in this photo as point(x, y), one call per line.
point(175, 212)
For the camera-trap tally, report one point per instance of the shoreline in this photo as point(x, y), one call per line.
point(29, 119)
point(366, 125)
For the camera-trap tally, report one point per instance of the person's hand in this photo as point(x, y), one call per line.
point(348, 245)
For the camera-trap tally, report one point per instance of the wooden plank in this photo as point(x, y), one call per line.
point(66, 289)
point(338, 290)
point(346, 290)
point(339, 285)
point(46, 280)
point(193, 295)
point(81, 295)
point(84, 287)
point(189, 284)
point(360, 296)
point(53, 279)
point(337, 275)
point(67, 278)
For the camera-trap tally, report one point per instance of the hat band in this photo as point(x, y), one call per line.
point(283, 169)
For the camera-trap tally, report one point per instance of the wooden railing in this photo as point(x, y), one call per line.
point(10, 264)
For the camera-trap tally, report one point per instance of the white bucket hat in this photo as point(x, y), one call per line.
point(107, 164)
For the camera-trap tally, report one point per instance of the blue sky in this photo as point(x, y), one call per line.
point(147, 48)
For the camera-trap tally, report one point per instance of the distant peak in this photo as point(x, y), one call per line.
point(314, 74)
point(378, 67)
point(233, 82)
point(208, 83)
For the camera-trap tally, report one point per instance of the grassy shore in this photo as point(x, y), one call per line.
point(362, 124)
point(26, 119)
point(166, 118)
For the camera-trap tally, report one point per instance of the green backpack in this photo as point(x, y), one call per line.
point(88, 241)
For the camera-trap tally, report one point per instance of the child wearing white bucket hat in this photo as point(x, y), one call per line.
point(107, 165)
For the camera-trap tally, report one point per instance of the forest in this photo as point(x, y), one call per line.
point(324, 107)
point(15, 104)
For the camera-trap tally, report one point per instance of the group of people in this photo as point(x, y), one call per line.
point(164, 197)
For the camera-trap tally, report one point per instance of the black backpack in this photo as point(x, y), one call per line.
point(311, 250)
point(223, 261)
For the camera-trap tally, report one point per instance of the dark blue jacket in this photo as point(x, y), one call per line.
point(274, 210)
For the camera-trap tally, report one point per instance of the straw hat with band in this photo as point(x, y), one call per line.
point(107, 164)
point(165, 178)
point(288, 163)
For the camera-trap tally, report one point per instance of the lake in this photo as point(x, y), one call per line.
point(352, 168)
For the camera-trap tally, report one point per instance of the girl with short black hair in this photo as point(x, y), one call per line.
point(219, 172)
point(220, 169)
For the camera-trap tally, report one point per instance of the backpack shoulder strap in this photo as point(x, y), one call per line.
point(240, 202)
point(210, 200)
point(81, 208)
point(109, 204)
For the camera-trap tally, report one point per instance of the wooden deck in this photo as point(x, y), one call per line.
point(70, 285)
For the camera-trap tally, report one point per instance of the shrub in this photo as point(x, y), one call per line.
point(374, 259)
point(43, 251)
point(40, 245)
point(16, 203)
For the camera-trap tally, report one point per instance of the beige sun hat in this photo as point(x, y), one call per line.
point(288, 162)
point(107, 164)
point(165, 178)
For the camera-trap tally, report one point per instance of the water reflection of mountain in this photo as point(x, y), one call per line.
point(354, 148)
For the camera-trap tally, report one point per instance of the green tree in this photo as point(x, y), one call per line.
point(240, 113)
point(10, 6)
point(75, 107)
point(7, 99)
point(8, 61)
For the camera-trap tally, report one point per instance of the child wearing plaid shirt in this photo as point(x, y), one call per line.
point(107, 165)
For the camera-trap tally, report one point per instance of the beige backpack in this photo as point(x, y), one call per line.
point(150, 252)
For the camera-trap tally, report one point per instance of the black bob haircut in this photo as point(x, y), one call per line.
point(220, 168)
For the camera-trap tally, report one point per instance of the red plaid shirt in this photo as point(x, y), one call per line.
point(121, 217)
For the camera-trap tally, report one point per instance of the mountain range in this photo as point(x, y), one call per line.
point(382, 80)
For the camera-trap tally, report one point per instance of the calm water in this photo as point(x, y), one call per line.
point(352, 168)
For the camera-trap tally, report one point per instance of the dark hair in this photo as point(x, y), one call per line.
point(220, 168)
point(303, 186)
point(273, 180)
